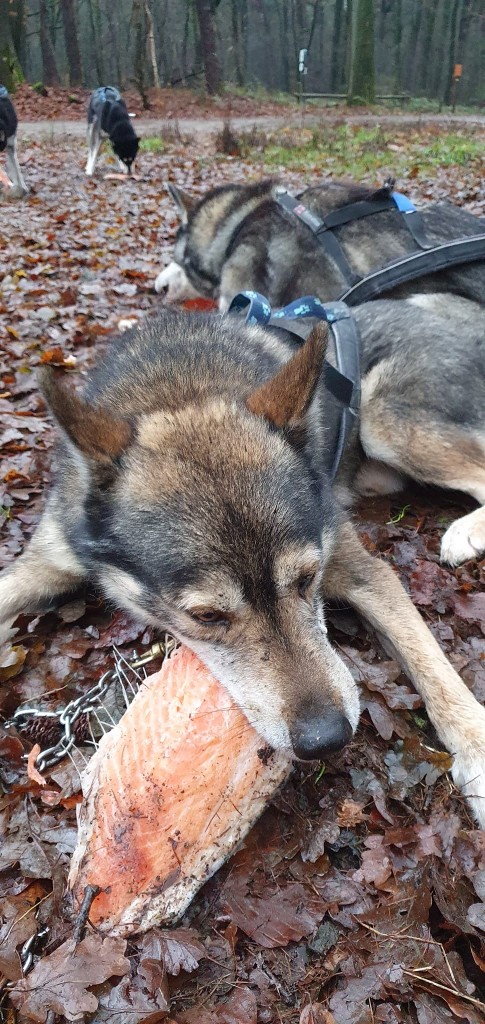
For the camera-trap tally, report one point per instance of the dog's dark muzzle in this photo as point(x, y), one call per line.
point(314, 736)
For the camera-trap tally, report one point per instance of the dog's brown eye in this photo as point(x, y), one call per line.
point(305, 582)
point(209, 616)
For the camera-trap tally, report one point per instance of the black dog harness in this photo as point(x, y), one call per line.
point(429, 259)
point(342, 381)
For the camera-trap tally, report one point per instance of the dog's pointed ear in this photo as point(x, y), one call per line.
point(183, 201)
point(98, 434)
point(284, 399)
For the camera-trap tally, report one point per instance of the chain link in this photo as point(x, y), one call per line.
point(86, 704)
point(33, 947)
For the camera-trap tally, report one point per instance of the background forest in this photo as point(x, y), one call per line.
point(399, 46)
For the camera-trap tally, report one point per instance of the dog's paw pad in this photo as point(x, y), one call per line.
point(464, 539)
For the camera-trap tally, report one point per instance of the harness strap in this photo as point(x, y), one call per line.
point(414, 220)
point(323, 234)
point(417, 264)
point(430, 260)
point(323, 228)
point(342, 381)
point(356, 211)
point(347, 347)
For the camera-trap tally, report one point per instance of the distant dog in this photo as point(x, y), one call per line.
point(108, 117)
point(8, 141)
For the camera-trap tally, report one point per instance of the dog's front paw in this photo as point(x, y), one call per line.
point(468, 773)
point(464, 539)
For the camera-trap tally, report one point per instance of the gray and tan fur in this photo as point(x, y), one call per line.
point(238, 237)
point(191, 490)
point(425, 399)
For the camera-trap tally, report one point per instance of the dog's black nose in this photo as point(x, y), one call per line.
point(312, 737)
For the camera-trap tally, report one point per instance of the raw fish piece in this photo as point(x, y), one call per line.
point(168, 795)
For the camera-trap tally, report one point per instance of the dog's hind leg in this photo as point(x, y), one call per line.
point(373, 588)
point(94, 143)
point(47, 569)
point(430, 450)
point(13, 167)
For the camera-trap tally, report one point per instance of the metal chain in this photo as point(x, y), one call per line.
point(86, 704)
point(32, 947)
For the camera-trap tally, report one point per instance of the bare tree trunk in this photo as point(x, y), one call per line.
point(397, 43)
point(244, 39)
point(50, 73)
point(71, 42)
point(95, 20)
point(285, 62)
point(18, 29)
point(185, 43)
point(362, 71)
point(114, 41)
point(337, 62)
point(316, 12)
point(456, 36)
point(212, 68)
point(151, 45)
point(140, 33)
point(10, 70)
point(236, 35)
point(423, 43)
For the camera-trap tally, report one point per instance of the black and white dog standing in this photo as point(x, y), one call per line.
point(109, 117)
point(8, 141)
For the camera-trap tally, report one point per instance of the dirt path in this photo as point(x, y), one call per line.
point(209, 125)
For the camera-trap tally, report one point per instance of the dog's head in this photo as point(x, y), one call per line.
point(208, 520)
point(207, 227)
point(125, 143)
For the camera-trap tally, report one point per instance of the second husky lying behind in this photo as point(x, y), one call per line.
point(423, 364)
point(191, 487)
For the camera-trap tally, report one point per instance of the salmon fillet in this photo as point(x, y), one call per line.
point(168, 794)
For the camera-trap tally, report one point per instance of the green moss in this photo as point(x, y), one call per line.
point(360, 151)
point(152, 144)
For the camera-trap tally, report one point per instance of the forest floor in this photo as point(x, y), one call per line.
point(358, 897)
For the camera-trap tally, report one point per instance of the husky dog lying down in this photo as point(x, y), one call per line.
point(423, 360)
point(191, 487)
point(239, 237)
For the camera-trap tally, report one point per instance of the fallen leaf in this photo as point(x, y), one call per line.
point(11, 662)
point(351, 814)
point(142, 996)
point(61, 981)
point(240, 1008)
point(31, 769)
point(178, 949)
point(17, 923)
point(274, 920)
point(316, 1013)
point(476, 915)
point(376, 864)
